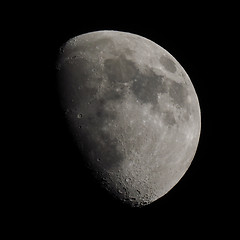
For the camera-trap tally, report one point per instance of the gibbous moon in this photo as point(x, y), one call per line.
point(132, 111)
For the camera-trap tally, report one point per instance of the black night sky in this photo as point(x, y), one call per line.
point(61, 191)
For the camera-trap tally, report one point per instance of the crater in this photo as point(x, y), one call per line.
point(168, 64)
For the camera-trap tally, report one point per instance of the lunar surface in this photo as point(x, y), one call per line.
point(132, 111)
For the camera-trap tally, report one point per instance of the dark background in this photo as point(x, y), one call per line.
point(57, 192)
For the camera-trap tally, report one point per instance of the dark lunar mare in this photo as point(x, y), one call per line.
point(145, 86)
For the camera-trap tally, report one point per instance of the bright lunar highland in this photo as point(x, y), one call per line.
point(132, 111)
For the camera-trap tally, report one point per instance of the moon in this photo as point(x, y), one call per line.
point(132, 111)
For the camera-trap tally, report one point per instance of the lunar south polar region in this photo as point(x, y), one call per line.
point(132, 111)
